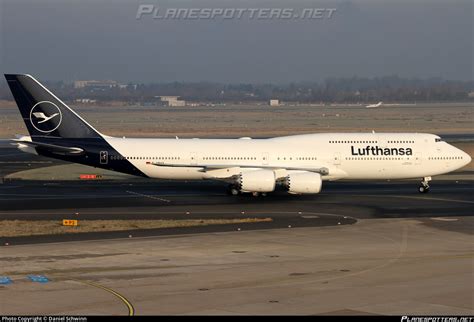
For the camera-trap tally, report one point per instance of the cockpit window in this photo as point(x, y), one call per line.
point(438, 140)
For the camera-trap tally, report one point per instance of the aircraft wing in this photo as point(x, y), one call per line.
point(231, 169)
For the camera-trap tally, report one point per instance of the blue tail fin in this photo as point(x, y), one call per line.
point(44, 114)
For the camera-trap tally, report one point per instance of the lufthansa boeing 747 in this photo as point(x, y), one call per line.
point(299, 162)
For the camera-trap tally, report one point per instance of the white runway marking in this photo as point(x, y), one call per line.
point(148, 196)
point(444, 219)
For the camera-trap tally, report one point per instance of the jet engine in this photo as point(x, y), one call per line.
point(257, 181)
point(304, 182)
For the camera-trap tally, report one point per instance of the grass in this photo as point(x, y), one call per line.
point(16, 228)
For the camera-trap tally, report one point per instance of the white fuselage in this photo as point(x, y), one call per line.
point(357, 156)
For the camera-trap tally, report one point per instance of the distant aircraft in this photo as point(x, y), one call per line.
point(299, 163)
point(375, 105)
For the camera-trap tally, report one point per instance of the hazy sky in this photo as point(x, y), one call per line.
point(84, 39)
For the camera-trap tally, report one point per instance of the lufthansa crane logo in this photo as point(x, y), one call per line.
point(45, 116)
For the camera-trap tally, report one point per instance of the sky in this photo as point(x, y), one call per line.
point(103, 39)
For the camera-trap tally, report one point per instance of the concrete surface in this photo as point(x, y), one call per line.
point(378, 266)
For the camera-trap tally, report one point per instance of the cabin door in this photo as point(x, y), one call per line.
point(104, 157)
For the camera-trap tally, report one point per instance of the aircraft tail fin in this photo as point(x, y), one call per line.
point(44, 114)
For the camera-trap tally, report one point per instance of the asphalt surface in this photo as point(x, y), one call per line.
point(13, 160)
point(339, 203)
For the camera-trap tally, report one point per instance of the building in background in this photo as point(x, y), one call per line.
point(274, 102)
point(85, 100)
point(95, 84)
point(172, 101)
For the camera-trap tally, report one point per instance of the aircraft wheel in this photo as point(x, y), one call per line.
point(423, 189)
point(233, 191)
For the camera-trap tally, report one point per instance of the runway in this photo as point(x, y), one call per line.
point(340, 203)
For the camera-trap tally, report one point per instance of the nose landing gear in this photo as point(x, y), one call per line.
point(233, 190)
point(424, 186)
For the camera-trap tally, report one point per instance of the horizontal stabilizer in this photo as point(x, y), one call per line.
point(57, 149)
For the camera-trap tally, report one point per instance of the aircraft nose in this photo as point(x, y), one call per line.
point(467, 157)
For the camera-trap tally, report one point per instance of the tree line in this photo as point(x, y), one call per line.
point(332, 90)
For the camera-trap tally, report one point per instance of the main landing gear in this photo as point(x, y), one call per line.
point(233, 190)
point(424, 187)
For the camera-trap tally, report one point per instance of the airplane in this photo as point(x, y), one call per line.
point(375, 105)
point(300, 163)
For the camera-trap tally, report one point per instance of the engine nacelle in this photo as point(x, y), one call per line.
point(257, 181)
point(304, 182)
